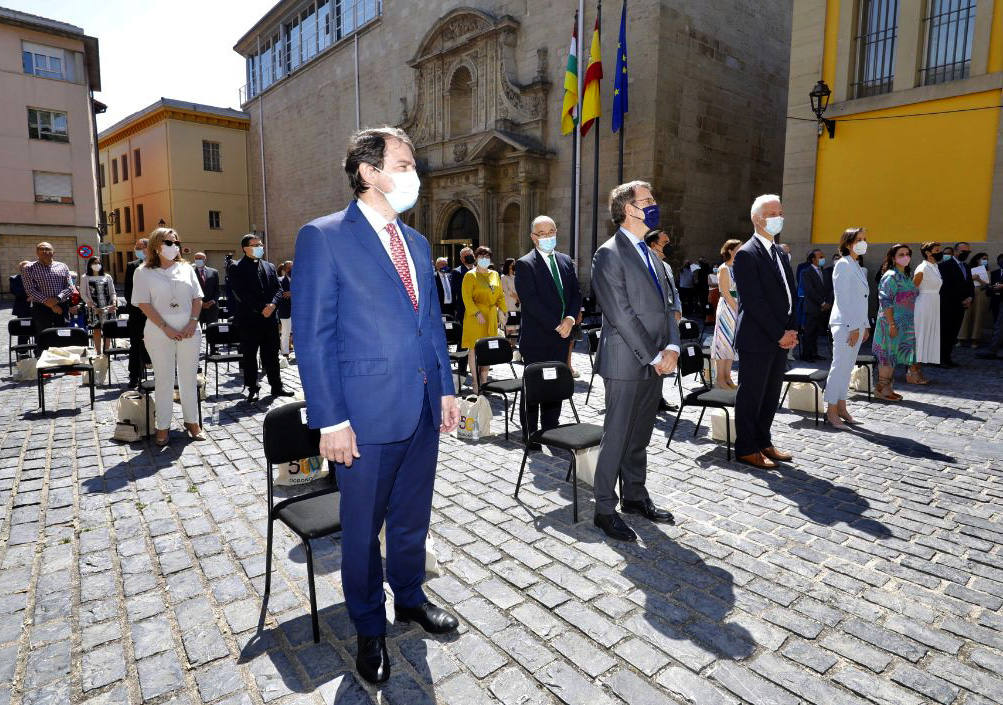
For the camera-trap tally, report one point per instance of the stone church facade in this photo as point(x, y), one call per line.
point(478, 87)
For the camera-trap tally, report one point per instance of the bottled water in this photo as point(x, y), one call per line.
point(214, 414)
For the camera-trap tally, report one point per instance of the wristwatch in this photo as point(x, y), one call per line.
point(194, 319)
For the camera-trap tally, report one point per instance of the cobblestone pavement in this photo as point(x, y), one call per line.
point(869, 571)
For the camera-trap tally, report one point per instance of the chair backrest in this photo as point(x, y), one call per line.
point(20, 326)
point(63, 337)
point(492, 351)
point(688, 330)
point(593, 335)
point(514, 318)
point(546, 382)
point(221, 334)
point(117, 328)
point(286, 436)
point(454, 332)
point(690, 359)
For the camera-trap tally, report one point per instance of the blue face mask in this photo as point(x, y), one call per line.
point(821, 262)
point(947, 258)
point(444, 268)
point(652, 216)
point(483, 262)
point(140, 255)
point(258, 251)
point(548, 244)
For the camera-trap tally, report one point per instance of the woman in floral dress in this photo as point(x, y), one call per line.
point(894, 335)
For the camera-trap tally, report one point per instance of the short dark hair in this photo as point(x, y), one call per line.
point(847, 238)
point(811, 254)
point(620, 196)
point(927, 248)
point(369, 147)
point(652, 236)
point(728, 246)
point(508, 266)
point(889, 262)
point(246, 240)
point(960, 243)
point(482, 251)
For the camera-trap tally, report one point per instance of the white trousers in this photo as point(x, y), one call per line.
point(167, 356)
point(844, 357)
point(285, 328)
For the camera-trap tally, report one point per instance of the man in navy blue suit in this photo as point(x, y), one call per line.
point(766, 332)
point(548, 290)
point(372, 356)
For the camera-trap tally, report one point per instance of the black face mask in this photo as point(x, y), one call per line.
point(666, 250)
point(469, 259)
point(962, 256)
point(938, 256)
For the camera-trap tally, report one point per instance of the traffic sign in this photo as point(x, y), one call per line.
point(106, 248)
point(85, 251)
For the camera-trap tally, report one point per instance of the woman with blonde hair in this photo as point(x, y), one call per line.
point(722, 349)
point(167, 290)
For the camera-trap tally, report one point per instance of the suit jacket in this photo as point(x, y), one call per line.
point(209, 279)
point(762, 301)
point(365, 355)
point(22, 307)
point(852, 293)
point(137, 319)
point(285, 305)
point(541, 306)
point(827, 275)
point(995, 277)
point(957, 283)
point(814, 291)
point(677, 303)
point(252, 296)
point(442, 292)
point(637, 321)
point(456, 284)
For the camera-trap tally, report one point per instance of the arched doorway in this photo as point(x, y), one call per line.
point(510, 235)
point(462, 230)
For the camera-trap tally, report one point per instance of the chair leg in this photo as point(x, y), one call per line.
point(787, 388)
point(268, 561)
point(217, 379)
point(92, 385)
point(518, 483)
point(574, 488)
point(699, 421)
point(727, 430)
point(313, 592)
point(515, 404)
point(589, 393)
point(818, 391)
point(505, 414)
point(41, 391)
point(676, 423)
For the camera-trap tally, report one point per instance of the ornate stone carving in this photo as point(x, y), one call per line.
point(459, 151)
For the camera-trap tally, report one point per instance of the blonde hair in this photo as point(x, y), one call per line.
point(153, 247)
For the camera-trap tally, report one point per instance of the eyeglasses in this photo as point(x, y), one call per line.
point(549, 233)
point(643, 202)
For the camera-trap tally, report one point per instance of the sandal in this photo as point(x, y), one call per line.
point(915, 378)
point(883, 389)
point(194, 431)
point(162, 440)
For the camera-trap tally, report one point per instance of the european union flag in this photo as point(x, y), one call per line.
point(620, 77)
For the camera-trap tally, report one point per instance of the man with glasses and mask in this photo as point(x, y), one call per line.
point(550, 298)
point(638, 345)
point(49, 288)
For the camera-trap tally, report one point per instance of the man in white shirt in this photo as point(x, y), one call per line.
point(444, 285)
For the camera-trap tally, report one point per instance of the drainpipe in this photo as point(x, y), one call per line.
point(261, 151)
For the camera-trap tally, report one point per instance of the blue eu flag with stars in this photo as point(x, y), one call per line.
point(620, 77)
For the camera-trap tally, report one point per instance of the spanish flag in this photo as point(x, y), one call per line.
point(591, 104)
point(569, 111)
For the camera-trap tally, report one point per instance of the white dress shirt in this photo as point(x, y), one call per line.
point(379, 224)
point(447, 293)
point(780, 267)
point(635, 241)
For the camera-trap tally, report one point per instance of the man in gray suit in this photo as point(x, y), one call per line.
point(639, 344)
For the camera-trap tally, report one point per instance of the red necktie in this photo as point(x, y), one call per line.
point(400, 262)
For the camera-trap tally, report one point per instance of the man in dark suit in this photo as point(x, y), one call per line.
point(817, 303)
point(766, 332)
point(956, 294)
point(22, 306)
point(209, 280)
point(995, 293)
point(255, 285)
point(444, 287)
point(372, 356)
point(639, 344)
point(138, 357)
point(548, 289)
point(456, 283)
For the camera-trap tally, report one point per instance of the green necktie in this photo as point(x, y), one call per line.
point(557, 279)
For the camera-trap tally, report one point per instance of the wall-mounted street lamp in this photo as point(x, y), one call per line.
point(819, 102)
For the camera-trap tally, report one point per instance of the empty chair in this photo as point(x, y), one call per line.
point(458, 356)
point(871, 362)
point(691, 362)
point(805, 375)
point(497, 351)
point(688, 330)
point(63, 338)
point(220, 342)
point(592, 336)
point(113, 330)
point(311, 515)
point(545, 382)
point(19, 328)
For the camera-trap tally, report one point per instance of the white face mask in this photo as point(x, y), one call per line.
point(547, 244)
point(169, 252)
point(95, 268)
point(860, 248)
point(774, 225)
point(405, 193)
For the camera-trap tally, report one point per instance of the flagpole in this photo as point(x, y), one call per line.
point(623, 120)
point(577, 187)
point(595, 184)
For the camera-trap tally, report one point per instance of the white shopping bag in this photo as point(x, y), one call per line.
point(432, 569)
point(475, 418)
point(804, 396)
point(585, 465)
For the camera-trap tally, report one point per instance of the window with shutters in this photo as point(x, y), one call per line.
point(137, 163)
point(101, 177)
point(114, 171)
point(210, 156)
point(47, 125)
point(51, 187)
point(140, 220)
point(118, 221)
point(214, 220)
point(128, 219)
point(125, 167)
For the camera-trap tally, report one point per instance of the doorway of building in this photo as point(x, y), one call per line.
point(461, 231)
point(511, 247)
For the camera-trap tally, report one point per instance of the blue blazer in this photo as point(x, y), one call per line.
point(762, 301)
point(364, 354)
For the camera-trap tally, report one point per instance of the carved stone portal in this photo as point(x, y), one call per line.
point(491, 158)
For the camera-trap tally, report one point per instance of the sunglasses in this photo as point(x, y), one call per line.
point(173, 242)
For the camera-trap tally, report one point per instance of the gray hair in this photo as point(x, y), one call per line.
point(757, 205)
point(542, 219)
point(620, 196)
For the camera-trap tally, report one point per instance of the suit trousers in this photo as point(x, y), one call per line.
point(812, 327)
point(529, 416)
point(951, 316)
point(169, 355)
point(260, 334)
point(285, 330)
point(760, 379)
point(138, 356)
point(631, 407)
point(844, 358)
point(43, 318)
point(389, 482)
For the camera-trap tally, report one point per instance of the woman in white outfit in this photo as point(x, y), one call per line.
point(849, 323)
point(927, 316)
point(167, 290)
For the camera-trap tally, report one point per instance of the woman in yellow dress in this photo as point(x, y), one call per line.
point(482, 296)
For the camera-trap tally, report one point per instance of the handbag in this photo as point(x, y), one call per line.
point(300, 472)
point(585, 465)
point(100, 364)
point(130, 415)
point(475, 418)
point(25, 370)
point(859, 378)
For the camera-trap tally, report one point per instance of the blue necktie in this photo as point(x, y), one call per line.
point(651, 270)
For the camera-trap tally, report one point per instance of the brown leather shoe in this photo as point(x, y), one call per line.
point(757, 460)
point(777, 455)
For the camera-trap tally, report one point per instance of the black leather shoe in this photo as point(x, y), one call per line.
point(432, 619)
point(373, 661)
point(666, 406)
point(614, 527)
point(252, 393)
point(281, 392)
point(649, 511)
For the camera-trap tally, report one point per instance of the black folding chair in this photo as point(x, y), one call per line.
point(805, 375)
point(117, 329)
point(691, 362)
point(592, 336)
point(311, 515)
point(496, 351)
point(457, 357)
point(591, 313)
point(870, 362)
point(220, 342)
point(688, 330)
point(546, 382)
point(63, 338)
point(149, 386)
point(19, 328)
